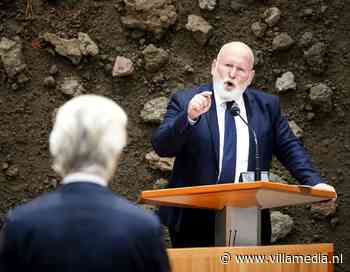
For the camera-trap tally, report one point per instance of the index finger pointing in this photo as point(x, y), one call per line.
point(207, 94)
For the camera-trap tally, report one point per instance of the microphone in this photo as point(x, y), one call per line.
point(235, 111)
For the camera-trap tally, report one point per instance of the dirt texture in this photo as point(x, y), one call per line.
point(310, 38)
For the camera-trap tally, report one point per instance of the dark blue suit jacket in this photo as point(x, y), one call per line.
point(196, 147)
point(81, 227)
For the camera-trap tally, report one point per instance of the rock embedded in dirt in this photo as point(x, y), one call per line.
point(154, 57)
point(272, 16)
point(276, 178)
point(73, 49)
point(87, 46)
point(315, 57)
point(161, 163)
point(53, 70)
point(12, 171)
point(154, 16)
point(50, 82)
point(281, 224)
point(154, 110)
point(238, 5)
point(22, 78)
point(285, 82)
point(323, 210)
point(207, 4)
point(258, 29)
point(306, 39)
point(258, 57)
point(282, 42)
point(12, 57)
point(161, 183)
point(69, 48)
point(200, 28)
point(321, 97)
point(122, 67)
point(71, 86)
point(298, 132)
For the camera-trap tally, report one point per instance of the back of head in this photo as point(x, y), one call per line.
point(88, 136)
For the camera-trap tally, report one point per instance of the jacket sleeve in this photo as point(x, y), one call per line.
point(159, 260)
point(290, 151)
point(172, 134)
point(9, 260)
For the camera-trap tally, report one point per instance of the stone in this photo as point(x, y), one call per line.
point(258, 57)
point(154, 57)
point(321, 97)
point(122, 67)
point(281, 224)
point(50, 82)
point(154, 110)
point(200, 28)
point(272, 16)
point(4, 165)
point(14, 86)
point(12, 171)
point(323, 210)
point(53, 70)
point(238, 5)
point(282, 42)
point(298, 132)
point(154, 16)
point(258, 29)
point(160, 163)
point(69, 48)
point(22, 78)
point(87, 46)
point(276, 178)
point(160, 184)
point(207, 4)
point(306, 39)
point(73, 49)
point(334, 222)
point(71, 86)
point(285, 82)
point(12, 56)
point(315, 58)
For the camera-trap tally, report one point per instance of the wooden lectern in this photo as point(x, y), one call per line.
point(238, 213)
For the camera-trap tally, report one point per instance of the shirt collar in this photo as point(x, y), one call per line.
point(220, 103)
point(83, 177)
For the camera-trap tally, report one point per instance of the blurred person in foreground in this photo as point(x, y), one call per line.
point(211, 146)
point(83, 226)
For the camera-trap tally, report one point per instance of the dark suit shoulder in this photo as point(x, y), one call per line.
point(261, 95)
point(35, 206)
point(137, 213)
point(187, 94)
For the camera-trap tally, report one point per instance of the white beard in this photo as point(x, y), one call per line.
point(232, 95)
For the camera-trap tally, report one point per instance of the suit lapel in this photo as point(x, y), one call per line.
point(249, 102)
point(212, 120)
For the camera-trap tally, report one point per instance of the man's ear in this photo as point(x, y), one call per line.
point(213, 66)
point(251, 76)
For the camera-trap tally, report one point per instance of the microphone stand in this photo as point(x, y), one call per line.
point(235, 111)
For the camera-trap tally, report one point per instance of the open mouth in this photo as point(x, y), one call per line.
point(229, 84)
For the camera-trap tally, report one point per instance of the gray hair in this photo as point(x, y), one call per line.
point(88, 136)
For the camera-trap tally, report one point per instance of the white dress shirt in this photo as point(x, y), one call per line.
point(83, 177)
point(242, 133)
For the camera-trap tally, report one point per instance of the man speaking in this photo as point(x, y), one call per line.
point(212, 146)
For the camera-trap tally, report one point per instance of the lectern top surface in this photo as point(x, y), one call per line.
point(263, 194)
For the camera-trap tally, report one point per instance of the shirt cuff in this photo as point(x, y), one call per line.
point(192, 122)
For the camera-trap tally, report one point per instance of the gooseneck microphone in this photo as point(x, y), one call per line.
point(235, 111)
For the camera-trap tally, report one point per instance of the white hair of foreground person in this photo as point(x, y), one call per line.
point(88, 136)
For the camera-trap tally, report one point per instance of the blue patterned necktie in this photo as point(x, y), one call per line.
point(228, 168)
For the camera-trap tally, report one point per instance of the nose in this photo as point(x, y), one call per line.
point(233, 71)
